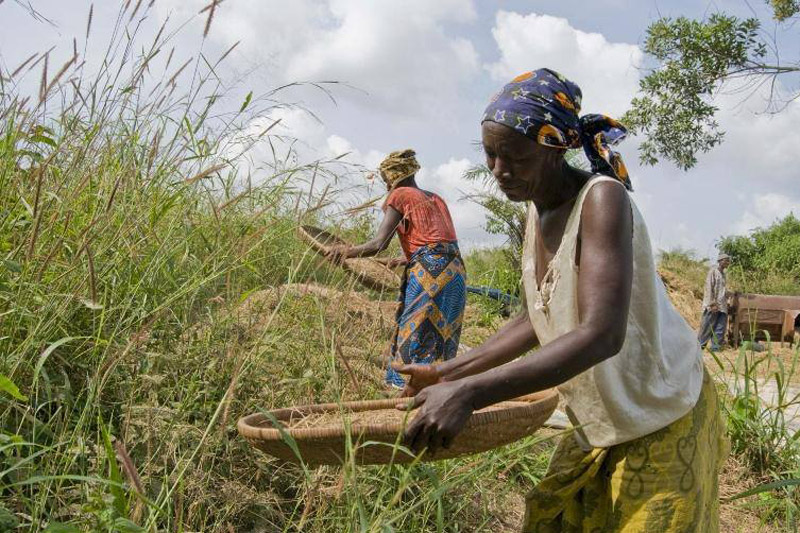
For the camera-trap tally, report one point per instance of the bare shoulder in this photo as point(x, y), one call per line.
point(607, 195)
point(607, 206)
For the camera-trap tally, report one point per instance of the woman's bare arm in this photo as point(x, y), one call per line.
point(380, 242)
point(512, 340)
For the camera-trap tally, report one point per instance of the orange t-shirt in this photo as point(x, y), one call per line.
point(426, 219)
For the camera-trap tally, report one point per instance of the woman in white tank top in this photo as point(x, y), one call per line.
point(648, 439)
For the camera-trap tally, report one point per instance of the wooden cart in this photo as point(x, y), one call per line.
point(754, 316)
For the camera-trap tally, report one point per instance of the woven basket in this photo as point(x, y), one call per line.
point(368, 272)
point(374, 443)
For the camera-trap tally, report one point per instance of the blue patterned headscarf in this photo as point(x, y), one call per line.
point(544, 106)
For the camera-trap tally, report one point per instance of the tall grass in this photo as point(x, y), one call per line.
point(144, 306)
point(760, 405)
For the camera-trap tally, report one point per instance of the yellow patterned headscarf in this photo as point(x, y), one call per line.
point(398, 166)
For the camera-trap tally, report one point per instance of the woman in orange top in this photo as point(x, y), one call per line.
point(433, 292)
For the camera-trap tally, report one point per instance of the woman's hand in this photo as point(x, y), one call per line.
point(392, 262)
point(337, 254)
point(420, 377)
point(443, 410)
point(396, 262)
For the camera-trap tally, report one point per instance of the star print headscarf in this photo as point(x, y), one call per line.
point(544, 106)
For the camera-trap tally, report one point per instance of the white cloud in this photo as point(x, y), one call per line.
point(269, 31)
point(606, 72)
point(765, 209)
point(469, 218)
point(291, 141)
point(337, 146)
point(760, 148)
point(399, 52)
point(296, 141)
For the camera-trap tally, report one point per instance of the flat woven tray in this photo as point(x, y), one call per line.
point(368, 272)
point(374, 434)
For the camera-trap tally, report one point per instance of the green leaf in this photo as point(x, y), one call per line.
point(43, 139)
point(8, 386)
point(123, 525)
point(247, 100)
point(8, 521)
point(766, 487)
point(120, 503)
point(12, 266)
point(58, 527)
point(675, 109)
point(45, 354)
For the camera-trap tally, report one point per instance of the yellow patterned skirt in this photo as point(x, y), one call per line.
point(664, 482)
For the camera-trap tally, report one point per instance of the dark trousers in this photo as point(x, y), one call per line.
point(712, 327)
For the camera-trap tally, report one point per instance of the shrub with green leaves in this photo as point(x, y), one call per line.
point(767, 260)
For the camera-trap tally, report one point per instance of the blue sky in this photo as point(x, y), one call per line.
point(425, 69)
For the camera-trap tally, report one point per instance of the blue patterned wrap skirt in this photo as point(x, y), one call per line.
point(432, 300)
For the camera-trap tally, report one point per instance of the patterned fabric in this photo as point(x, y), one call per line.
point(398, 166)
point(665, 482)
point(432, 300)
point(544, 106)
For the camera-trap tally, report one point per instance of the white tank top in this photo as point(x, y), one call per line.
point(656, 376)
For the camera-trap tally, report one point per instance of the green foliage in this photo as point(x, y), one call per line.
point(758, 429)
point(7, 386)
point(784, 9)
point(758, 404)
point(767, 260)
point(686, 266)
point(678, 256)
point(8, 522)
point(675, 110)
point(493, 267)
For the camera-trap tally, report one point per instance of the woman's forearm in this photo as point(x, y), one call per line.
point(512, 340)
point(554, 364)
point(368, 249)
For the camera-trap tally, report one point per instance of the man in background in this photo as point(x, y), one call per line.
point(715, 305)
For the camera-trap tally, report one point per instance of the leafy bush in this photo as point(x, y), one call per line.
point(767, 260)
